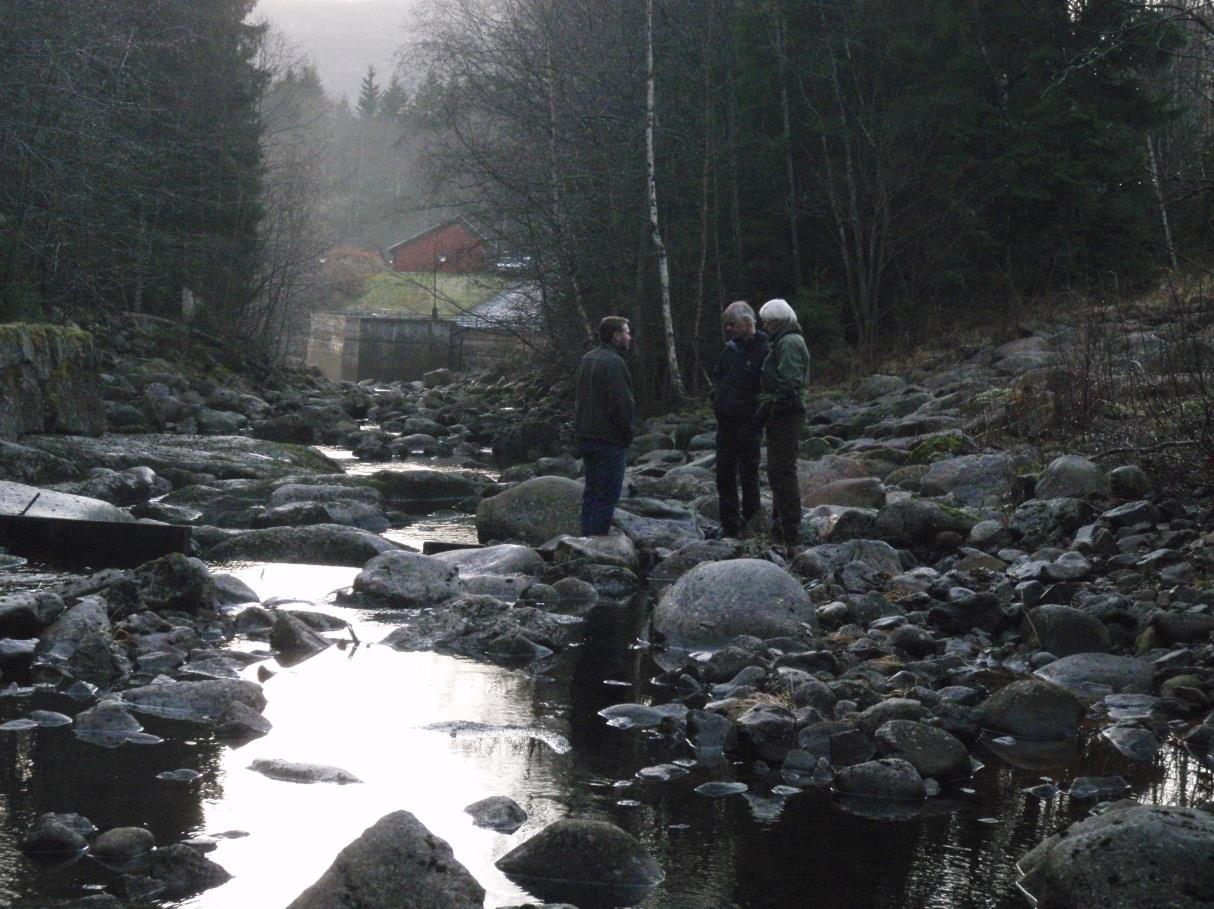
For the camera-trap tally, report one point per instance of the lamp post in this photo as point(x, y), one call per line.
point(438, 261)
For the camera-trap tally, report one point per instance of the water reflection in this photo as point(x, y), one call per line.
point(364, 709)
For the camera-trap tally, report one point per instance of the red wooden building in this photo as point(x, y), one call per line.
point(454, 247)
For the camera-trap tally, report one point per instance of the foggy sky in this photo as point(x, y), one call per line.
point(342, 36)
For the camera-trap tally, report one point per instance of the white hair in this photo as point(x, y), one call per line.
point(778, 310)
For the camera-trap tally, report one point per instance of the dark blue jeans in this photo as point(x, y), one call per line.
point(604, 462)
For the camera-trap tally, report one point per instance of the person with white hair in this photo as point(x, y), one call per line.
point(735, 401)
point(782, 411)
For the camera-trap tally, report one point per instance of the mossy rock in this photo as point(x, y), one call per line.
point(949, 444)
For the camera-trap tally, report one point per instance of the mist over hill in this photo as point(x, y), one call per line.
point(343, 36)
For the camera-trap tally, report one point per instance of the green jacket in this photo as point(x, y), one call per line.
point(785, 374)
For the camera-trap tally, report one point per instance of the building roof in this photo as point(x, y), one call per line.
point(472, 228)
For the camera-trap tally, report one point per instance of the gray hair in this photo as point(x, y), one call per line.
point(738, 311)
point(778, 310)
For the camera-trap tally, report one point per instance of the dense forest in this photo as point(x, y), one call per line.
point(884, 166)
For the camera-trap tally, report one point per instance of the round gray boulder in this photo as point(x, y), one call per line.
point(533, 512)
point(317, 544)
point(717, 601)
point(579, 857)
point(1146, 856)
point(934, 752)
point(1064, 630)
point(888, 778)
point(406, 580)
point(1071, 477)
point(395, 862)
point(1033, 709)
point(1098, 674)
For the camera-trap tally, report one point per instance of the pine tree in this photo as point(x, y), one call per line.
point(368, 95)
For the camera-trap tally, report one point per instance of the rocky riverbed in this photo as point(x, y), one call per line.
point(970, 649)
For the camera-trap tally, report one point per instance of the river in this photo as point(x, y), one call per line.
point(364, 708)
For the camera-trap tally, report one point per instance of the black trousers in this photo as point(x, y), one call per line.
point(737, 464)
point(783, 434)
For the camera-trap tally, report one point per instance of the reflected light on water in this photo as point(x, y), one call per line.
point(360, 709)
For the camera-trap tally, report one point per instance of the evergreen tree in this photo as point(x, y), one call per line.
point(368, 95)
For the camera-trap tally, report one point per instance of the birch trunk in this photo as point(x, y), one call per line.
point(672, 357)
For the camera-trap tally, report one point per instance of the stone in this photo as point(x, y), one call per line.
point(1129, 482)
point(1146, 856)
point(1071, 477)
point(1098, 674)
point(120, 847)
point(296, 772)
point(291, 636)
point(240, 722)
point(80, 645)
point(506, 559)
point(224, 457)
point(862, 492)
point(497, 812)
point(1033, 709)
point(24, 615)
point(933, 752)
point(22, 464)
point(717, 601)
point(582, 854)
point(887, 778)
point(204, 702)
point(132, 486)
point(1064, 630)
point(176, 583)
point(978, 479)
point(346, 514)
point(185, 871)
point(918, 522)
point(48, 381)
point(231, 591)
point(54, 834)
point(318, 544)
point(1042, 522)
point(613, 549)
point(405, 580)
point(532, 512)
point(766, 732)
point(107, 725)
point(396, 862)
point(16, 498)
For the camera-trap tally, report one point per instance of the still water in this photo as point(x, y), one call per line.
point(363, 708)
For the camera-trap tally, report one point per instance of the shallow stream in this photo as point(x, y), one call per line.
point(364, 708)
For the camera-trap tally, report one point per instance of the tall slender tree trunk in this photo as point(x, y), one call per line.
point(560, 220)
point(705, 174)
point(672, 357)
point(1163, 208)
point(777, 30)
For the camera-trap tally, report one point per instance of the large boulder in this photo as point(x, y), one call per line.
point(203, 702)
point(533, 511)
point(15, 498)
point(1033, 709)
point(79, 645)
point(575, 857)
point(395, 863)
point(977, 479)
point(1065, 630)
point(421, 491)
point(1098, 674)
point(1071, 477)
point(318, 544)
point(918, 523)
point(225, 457)
point(405, 580)
point(506, 559)
point(1145, 856)
point(933, 752)
point(22, 464)
point(177, 583)
point(861, 492)
point(717, 601)
point(24, 615)
point(48, 381)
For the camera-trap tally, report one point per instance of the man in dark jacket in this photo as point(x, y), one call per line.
point(782, 410)
point(735, 401)
point(602, 424)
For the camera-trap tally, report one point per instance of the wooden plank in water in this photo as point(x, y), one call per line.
point(98, 544)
